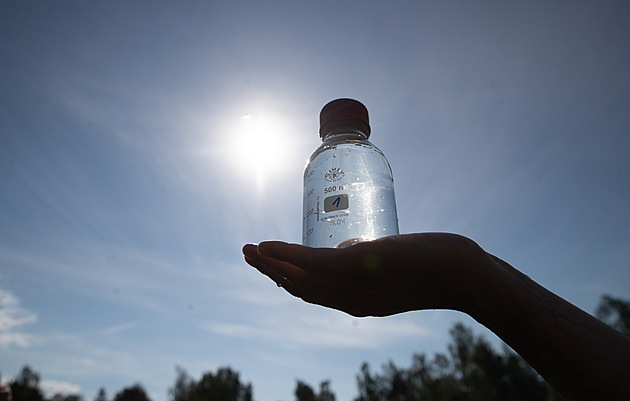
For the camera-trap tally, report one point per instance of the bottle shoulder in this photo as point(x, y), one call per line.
point(348, 154)
point(358, 145)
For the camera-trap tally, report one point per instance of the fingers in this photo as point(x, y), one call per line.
point(273, 274)
point(296, 254)
point(307, 258)
point(344, 279)
point(283, 273)
point(266, 270)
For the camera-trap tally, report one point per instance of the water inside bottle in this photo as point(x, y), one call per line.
point(349, 196)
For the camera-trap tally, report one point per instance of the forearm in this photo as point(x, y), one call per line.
point(581, 357)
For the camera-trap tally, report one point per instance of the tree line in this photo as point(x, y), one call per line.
point(470, 370)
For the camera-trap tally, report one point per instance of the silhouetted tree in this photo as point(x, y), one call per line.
point(225, 385)
point(615, 312)
point(325, 392)
point(370, 387)
point(25, 387)
point(304, 392)
point(183, 388)
point(133, 393)
point(434, 380)
point(66, 397)
point(471, 371)
point(101, 395)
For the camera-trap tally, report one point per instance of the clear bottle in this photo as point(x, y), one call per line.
point(348, 183)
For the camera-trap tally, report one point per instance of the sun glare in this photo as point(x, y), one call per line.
point(257, 144)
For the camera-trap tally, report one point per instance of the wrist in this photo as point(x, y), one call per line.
point(454, 272)
point(478, 273)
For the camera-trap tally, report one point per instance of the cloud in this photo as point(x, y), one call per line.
point(51, 387)
point(119, 328)
point(274, 316)
point(322, 329)
point(12, 318)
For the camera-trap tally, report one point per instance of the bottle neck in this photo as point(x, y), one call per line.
point(342, 133)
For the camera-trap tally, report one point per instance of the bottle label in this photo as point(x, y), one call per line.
point(336, 202)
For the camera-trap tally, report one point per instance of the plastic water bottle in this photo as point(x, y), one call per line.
point(348, 183)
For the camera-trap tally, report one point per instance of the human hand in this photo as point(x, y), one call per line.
point(446, 271)
point(375, 278)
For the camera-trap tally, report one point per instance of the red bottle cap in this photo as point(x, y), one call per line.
point(348, 112)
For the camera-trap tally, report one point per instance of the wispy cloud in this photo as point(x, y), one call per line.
point(276, 317)
point(321, 328)
point(119, 328)
point(141, 279)
point(12, 318)
point(52, 387)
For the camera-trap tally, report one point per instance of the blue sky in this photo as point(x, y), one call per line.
point(143, 143)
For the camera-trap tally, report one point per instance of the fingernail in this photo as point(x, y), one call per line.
point(250, 249)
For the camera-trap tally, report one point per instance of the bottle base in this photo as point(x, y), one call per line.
point(348, 242)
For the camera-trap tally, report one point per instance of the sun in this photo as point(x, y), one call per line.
point(257, 144)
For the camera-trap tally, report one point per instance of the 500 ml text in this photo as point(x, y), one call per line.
point(334, 188)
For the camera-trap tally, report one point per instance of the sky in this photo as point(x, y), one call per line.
point(143, 143)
